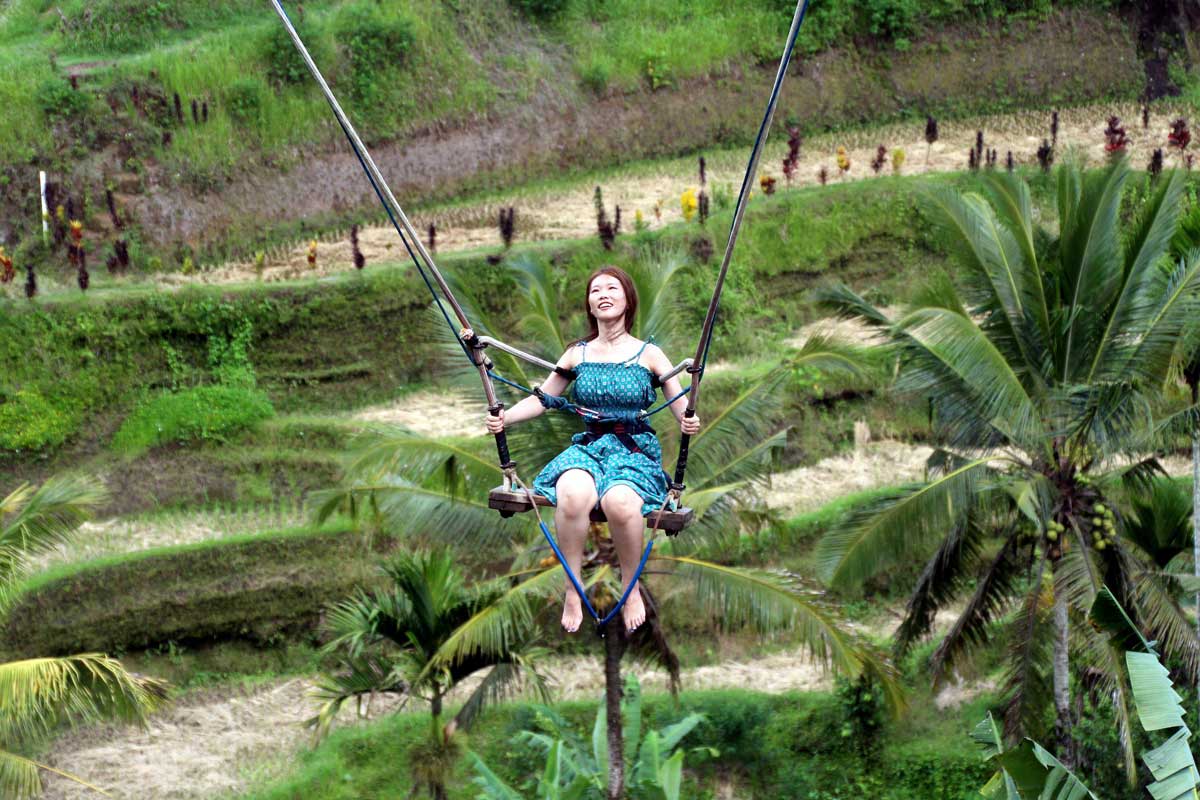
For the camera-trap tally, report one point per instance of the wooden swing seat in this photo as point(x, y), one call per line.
point(509, 502)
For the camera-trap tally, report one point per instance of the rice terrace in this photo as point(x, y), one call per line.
point(571, 399)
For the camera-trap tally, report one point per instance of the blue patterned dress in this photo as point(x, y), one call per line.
point(617, 389)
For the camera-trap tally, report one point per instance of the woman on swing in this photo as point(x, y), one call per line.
point(615, 464)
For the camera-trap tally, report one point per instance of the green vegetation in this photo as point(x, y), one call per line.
point(207, 413)
point(1028, 418)
point(258, 588)
point(768, 746)
point(194, 92)
point(28, 421)
point(79, 357)
point(39, 695)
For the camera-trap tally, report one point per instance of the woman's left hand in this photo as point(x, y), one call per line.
point(690, 425)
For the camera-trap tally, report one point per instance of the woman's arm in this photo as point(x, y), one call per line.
point(661, 365)
point(531, 406)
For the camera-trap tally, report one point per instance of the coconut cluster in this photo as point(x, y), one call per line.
point(1103, 526)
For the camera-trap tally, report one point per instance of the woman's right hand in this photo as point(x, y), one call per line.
point(495, 424)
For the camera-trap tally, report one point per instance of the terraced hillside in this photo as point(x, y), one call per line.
point(204, 101)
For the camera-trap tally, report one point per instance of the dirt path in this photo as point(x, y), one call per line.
point(431, 413)
point(125, 535)
point(568, 212)
point(871, 466)
point(221, 742)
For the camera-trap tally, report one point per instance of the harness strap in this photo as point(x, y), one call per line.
point(622, 430)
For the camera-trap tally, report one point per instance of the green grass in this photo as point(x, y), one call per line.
point(769, 746)
point(200, 413)
point(466, 60)
point(265, 588)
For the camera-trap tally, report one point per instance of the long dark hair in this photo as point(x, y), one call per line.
point(631, 300)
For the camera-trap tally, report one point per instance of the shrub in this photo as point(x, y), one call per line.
point(28, 421)
point(59, 102)
point(121, 25)
point(204, 412)
point(285, 65)
point(596, 74)
point(372, 42)
point(244, 100)
point(891, 18)
point(539, 9)
point(257, 587)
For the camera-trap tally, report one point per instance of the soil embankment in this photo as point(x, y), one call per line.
point(1069, 58)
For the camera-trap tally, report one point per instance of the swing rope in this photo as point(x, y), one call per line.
point(702, 349)
point(473, 348)
point(601, 622)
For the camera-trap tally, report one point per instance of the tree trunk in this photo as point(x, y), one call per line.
point(1062, 678)
point(1196, 525)
point(614, 649)
point(437, 788)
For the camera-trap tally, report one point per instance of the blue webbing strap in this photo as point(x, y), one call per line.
point(579, 590)
point(575, 582)
point(637, 573)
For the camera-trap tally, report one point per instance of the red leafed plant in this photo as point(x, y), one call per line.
point(75, 243)
point(792, 162)
point(1179, 137)
point(1115, 140)
point(1156, 163)
point(879, 160)
point(1045, 155)
point(359, 259)
point(7, 273)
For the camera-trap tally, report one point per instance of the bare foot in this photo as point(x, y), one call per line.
point(634, 611)
point(572, 616)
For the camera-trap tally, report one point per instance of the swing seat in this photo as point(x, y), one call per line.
point(509, 502)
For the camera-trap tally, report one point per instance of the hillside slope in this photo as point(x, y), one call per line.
point(213, 143)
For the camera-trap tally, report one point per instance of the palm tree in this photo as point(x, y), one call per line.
point(385, 642)
point(415, 483)
point(39, 695)
point(1044, 370)
point(1187, 240)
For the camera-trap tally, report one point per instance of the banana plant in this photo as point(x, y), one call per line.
point(573, 772)
point(1029, 772)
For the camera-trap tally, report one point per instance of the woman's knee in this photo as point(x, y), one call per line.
point(622, 504)
point(576, 491)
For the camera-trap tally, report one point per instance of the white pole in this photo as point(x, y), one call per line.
point(45, 211)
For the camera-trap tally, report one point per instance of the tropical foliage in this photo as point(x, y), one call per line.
point(385, 641)
point(575, 771)
point(1045, 374)
point(1029, 771)
point(38, 696)
point(438, 489)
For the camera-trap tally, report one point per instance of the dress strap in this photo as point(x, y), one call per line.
point(638, 354)
point(582, 350)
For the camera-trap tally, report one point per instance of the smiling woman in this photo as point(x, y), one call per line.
point(615, 464)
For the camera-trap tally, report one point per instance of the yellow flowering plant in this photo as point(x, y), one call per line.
point(843, 160)
point(688, 204)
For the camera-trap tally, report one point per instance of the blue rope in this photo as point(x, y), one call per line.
point(637, 573)
point(556, 401)
point(567, 569)
point(667, 403)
